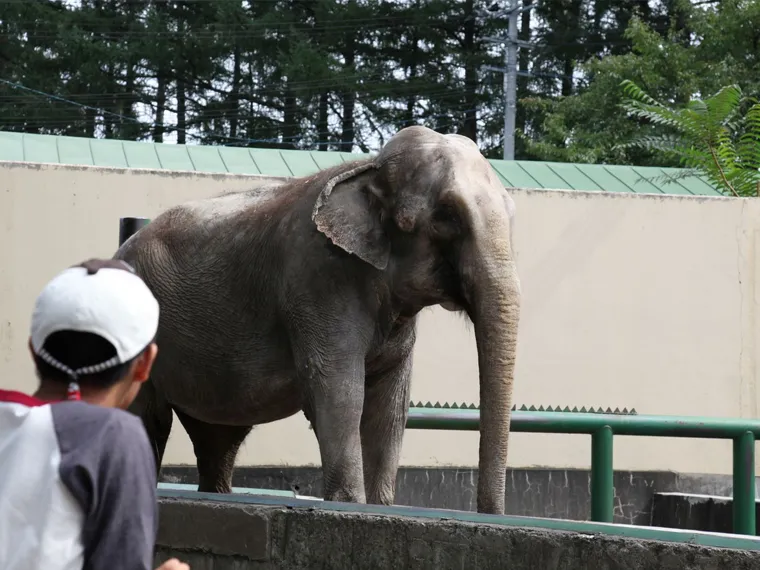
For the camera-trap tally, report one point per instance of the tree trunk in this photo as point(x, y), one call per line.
point(567, 77)
point(181, 111)
point(289, 124)
point(108, 121)
point(523, 62)
point(89, 123)
point(158, 127)
point(129, 127)
point(470, 125)
point(411, 99)
point(411, 68)
point(179, 68)
point(348, 132)
point(348, 98)
point(322, 122)
point(235, 93)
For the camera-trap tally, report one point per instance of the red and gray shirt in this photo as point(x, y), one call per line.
point(77, 487)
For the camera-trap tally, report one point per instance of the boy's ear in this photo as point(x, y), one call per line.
point(144, 363)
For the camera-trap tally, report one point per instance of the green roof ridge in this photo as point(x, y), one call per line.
point(53, 149)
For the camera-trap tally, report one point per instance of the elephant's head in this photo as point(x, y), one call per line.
point(430, 213)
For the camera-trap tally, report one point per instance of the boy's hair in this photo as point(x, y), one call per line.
point(78, 349)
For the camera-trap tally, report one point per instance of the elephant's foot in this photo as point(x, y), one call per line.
point(342, 472)
point(213, 485)
point(383, 493)
point(346, 496)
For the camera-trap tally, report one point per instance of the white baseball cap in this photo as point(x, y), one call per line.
point(112, 303)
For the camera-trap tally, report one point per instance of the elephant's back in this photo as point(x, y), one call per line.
point(204, 276)
point(217, 320)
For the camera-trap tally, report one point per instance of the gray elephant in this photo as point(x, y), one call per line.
point(304, 295)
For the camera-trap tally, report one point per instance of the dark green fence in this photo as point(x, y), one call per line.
point(603, 427)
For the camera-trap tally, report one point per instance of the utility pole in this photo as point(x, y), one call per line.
point(511, 43)
point(510, 83)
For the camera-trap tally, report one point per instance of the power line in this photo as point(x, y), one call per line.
point(241, 140)
point(221, 113)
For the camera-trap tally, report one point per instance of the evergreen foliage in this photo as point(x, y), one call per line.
point(346, 74)
point(710, 135)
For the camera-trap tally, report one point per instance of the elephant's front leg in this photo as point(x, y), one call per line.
point(337, 400)
point(386, 405)
point(333, 379)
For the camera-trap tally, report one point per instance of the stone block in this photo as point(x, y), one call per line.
point(216, 528)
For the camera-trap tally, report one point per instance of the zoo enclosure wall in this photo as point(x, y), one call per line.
point(629, 300)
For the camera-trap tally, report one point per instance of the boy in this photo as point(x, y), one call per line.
point(78, 478)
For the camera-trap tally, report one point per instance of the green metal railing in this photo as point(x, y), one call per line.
point(603, 427)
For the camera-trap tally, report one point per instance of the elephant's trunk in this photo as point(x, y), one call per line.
point(495, 314)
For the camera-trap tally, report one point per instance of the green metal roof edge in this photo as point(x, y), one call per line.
point(52, 149)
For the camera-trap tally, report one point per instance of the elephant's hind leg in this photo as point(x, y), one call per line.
point(156, 415)
point(216, 447)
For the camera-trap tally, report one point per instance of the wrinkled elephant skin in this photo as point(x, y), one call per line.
point(304, 295)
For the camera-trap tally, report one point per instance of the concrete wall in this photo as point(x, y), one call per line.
point(629, 300)
point(229, 536)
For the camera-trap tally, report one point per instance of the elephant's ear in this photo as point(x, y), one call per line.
point(348, 212)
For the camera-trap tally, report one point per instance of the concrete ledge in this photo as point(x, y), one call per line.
point(239, 491)
point(256, 532)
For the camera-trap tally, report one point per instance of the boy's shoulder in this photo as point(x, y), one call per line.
point(108, 466)
point(94, 429)
point(92, 413)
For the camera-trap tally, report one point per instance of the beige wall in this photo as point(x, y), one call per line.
point(629, 300)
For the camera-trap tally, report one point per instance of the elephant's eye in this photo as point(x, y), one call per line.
point(446, 221)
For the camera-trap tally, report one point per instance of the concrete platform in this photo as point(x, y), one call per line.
point(239, 491)
point(232, 532)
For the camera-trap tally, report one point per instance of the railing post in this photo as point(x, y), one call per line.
point(744, 484)
point(130, 226)
point(602, 491)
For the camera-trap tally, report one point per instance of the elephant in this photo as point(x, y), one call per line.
point(303, 296)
